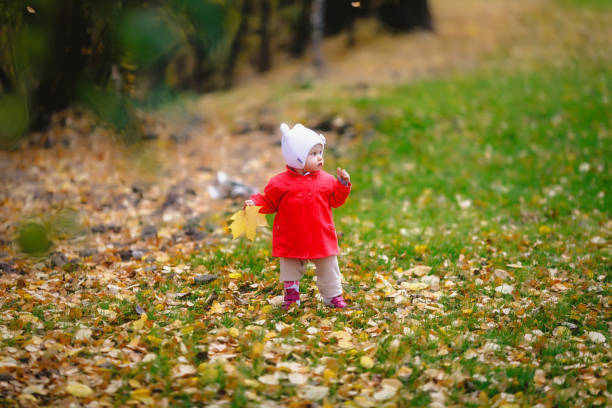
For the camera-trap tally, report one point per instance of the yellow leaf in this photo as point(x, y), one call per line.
point(257, 349)
point(235, 275)
point(78, 389)
point(420, 249)
point(246, 221)
point(366, 362)
point(340, 335)
point(216, 308)
point(27, 397)
point(544, 229)
point(143, 395)
point(329, 375)
point(139, 324)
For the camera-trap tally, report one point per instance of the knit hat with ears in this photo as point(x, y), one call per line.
point(297, 142)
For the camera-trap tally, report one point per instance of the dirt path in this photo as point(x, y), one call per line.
point(169, 182)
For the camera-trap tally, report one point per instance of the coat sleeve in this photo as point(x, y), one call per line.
point(270, 199)
point(339, 193)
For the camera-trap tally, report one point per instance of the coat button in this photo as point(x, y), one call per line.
point(309, 194)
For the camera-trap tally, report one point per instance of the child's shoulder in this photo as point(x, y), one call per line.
point(280, 178)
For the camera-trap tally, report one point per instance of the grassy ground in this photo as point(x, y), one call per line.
point(476, 252)
point(495, 181)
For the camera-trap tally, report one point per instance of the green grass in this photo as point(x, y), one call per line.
point(587, 4)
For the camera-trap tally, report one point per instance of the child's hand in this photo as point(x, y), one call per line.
point(343, 175)
point(248, 203)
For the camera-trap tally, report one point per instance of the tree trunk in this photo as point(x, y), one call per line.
point(263, 63)
point(418, 14)
point(406, 15)
point(7, 85)
point(58, 84)
point(318, 27)
point(236, 47)
point(302, 30)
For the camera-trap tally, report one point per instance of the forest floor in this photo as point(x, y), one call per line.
point(476, 245)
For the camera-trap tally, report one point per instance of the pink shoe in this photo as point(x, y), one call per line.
point(338, 302)
point(292, 294)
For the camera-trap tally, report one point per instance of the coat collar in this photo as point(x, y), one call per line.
point(292, 171)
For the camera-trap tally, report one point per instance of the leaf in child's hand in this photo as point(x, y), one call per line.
point(246, 221)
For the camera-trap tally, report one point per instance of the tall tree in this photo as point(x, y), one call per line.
point(263, 61)
point(317, 20)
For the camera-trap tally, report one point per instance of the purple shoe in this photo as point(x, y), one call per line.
point(292, 294)
point(337, 302)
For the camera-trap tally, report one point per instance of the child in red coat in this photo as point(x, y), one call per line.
point(303, 197)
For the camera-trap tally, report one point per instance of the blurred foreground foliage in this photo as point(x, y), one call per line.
point(117, 55)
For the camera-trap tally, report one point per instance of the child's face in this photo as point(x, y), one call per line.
point(314, 161)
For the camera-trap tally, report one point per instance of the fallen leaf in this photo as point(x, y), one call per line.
point(216, 308)
point(559, 287)
point(139, 324)
point(183, 370)
point(276, 300)
point(505, 289)
point(561, 331)
point(142, 395)
point(78, 390)
point(419, 270)
point(34, 389)
point(314, 392)
point(414, 286)
point(83, 334)
point(27, 397)
point(539, 377)
point(269, 379)
point(366, 362)
point(404, 372)
point(297, 378)
point(364, 402)
point(385, 393)
point(597, 337)
point(501, 274)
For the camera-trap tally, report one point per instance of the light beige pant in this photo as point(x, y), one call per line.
point(327, 271)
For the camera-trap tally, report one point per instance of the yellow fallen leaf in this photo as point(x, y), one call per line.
point(139, 324)
point(329, 374)
point(27, 397)
point(235, 275)
point(341, 335)
point(343, 343)
point(404, 372)
point(366, 362)
point(544, 230)
point(246, 221)
point(78, 390)
point(143, 395)
point(257, 349)
point(216, 308)
point(420, 249)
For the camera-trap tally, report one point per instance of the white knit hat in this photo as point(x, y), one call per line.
point(297, 142)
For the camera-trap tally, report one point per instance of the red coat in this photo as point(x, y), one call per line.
point(303, 226)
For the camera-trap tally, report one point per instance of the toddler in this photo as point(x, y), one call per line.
point(303, 197)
